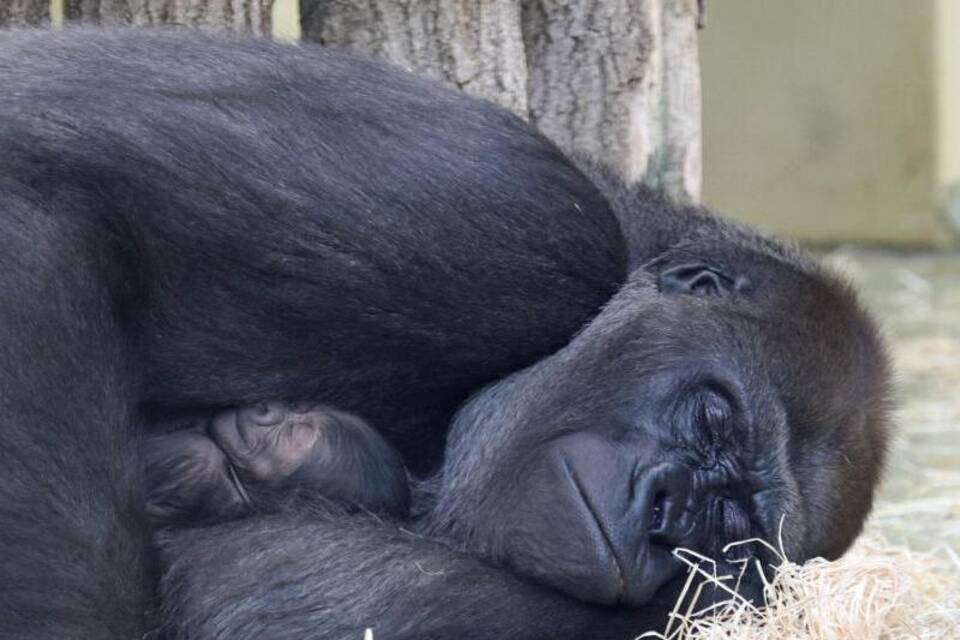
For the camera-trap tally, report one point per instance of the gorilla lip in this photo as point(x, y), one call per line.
point(598, 523)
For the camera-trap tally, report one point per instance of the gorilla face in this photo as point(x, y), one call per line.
point(709, 401)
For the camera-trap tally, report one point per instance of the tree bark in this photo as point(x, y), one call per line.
point(239, 16)
point(476, 46)
point(617, 79)
point(665, 118)
point(24, 13)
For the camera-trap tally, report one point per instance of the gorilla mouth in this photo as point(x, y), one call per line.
point(611, 549)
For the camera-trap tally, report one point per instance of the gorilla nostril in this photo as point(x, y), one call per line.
point(662, 494)
point(658, 511)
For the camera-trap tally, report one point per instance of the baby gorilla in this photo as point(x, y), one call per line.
point(265, 457)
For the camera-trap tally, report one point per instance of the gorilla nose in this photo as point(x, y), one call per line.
point(661, 494)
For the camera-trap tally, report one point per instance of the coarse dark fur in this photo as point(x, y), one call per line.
point(190, 224)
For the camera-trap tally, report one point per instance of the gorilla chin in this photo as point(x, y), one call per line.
point(598, 462)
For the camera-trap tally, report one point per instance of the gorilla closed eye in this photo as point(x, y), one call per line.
point(729, 519)
point(712, 411)
point(706, 414)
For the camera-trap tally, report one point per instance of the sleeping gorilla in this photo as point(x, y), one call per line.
point(191, 225)
point(574, 479)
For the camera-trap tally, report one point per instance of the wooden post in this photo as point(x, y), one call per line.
point(618, 79)
point(241, 16)
point(476, 46)
point(24, 13)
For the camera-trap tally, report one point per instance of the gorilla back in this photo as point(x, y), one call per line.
point(188, 223)
point(290, 222)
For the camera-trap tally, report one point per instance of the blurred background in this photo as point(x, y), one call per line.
point(834, 123)
point(838, 123)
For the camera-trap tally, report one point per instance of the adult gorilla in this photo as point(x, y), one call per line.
point(190, 224)
point(670, 420)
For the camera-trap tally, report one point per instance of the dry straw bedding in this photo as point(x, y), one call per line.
point(877, 591)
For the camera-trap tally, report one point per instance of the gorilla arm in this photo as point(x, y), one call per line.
point(334, 575)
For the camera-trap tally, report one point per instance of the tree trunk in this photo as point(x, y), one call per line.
point(241, 16)
point(619, 80)
point(476, 46)
point(24, 13)
point(615, 78)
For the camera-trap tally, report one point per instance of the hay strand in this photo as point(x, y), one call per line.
point(877, 591)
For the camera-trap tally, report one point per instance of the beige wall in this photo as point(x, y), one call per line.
point(820, 117)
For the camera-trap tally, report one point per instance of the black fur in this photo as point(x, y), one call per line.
point(705, 400)
point(190, 224)
point(287, 222)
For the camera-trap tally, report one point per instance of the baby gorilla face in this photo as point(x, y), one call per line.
point(268, 442)
point(271, 456)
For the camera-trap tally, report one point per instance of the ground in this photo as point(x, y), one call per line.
point(916, 297)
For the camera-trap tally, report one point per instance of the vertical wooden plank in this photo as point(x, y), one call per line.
point(56, 13)
point(286, 20)
point(948, 112)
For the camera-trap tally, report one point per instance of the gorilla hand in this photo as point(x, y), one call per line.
point(190, 480)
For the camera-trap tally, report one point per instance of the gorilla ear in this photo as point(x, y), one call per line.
point(699, 279)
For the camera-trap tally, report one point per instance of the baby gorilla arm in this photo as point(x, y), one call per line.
point(270, 457)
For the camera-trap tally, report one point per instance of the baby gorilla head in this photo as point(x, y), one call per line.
point(267, 457)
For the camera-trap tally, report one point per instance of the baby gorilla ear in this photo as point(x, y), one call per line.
point(291, 453)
